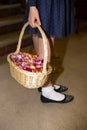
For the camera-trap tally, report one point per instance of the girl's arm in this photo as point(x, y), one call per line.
point(33, 13)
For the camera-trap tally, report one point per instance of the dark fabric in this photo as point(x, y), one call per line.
point(31, 2)
point(57, 17)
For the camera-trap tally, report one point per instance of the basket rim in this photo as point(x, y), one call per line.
point(25, 71)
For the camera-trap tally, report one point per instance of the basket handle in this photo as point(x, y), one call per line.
point(45, 43)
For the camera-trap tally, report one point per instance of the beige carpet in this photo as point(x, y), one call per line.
point(21, 108)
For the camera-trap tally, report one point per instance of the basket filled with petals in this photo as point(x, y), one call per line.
point(28, 69)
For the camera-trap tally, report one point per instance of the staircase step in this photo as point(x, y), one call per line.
point(12, 9)
point(11, 23)
point(8, 42)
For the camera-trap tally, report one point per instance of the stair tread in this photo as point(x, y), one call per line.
point(11, 38)
point(11, 20)
point(9, 6)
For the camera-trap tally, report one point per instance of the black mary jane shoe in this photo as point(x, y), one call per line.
point(67, 99)
point(61, 89)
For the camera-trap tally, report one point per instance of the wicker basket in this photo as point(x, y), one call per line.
point(30, 79)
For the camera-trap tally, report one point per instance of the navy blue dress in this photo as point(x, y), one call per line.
point(57, 17)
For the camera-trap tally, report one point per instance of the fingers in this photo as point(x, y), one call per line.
point(33, 21)
point(38, 21)
point(34, 17)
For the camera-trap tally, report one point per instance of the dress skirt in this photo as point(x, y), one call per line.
point(57, 17)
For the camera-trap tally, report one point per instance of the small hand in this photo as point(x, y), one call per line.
point(34, 17)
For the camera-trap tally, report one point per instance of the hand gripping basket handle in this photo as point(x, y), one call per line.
point(45, 43)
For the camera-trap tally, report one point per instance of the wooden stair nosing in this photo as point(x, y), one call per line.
point(11, 10)
point(11, 47)
point(11, 20)
point(8, 29)
point(5, 41)
point(2, 7)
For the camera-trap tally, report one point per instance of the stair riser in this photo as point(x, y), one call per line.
point(10, 11)
point(11, 22)
point(10, 28)
point(12, 47)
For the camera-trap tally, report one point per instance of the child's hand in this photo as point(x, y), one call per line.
point(33, 17)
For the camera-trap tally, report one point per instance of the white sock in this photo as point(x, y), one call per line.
point(50, 93)
point(56, 86)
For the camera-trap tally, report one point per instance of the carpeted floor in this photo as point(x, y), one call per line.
point(21, 108)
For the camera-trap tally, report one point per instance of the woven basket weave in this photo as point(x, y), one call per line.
point(30, 79)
